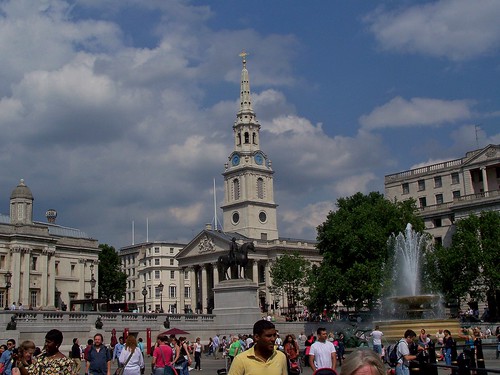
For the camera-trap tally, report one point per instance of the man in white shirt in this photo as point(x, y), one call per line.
point(322, 353)
point(377, 340)
point(403, 352)
point(216, 344)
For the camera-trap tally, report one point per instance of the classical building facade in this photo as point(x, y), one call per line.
point(49, 265)
point(451, 190)
point(249, 215)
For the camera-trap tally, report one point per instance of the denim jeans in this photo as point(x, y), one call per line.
point(447, 356)
point(377, 348)
point(402, 370)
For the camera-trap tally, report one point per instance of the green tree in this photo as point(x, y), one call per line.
point(353, 242)
point(289, 273)
point(469, 267)
point(112, 281)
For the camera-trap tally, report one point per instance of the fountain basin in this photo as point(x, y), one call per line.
point(415, 307)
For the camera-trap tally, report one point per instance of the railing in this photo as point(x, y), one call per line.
point(423, 170)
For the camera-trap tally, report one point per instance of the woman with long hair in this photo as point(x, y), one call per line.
point(363, 361)
point(131, 357)
point(198, 349)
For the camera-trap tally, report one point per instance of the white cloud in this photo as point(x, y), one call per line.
point(400, 112)
point(454, 29)
point(353, 184)
point(304, 222)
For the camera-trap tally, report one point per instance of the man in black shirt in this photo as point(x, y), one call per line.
point(76, 355)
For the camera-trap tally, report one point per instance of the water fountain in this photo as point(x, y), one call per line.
point(406, 299)
point(406, 305)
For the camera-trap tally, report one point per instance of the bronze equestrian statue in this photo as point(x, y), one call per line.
point(238, 256)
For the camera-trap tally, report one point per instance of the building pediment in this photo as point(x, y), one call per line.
point(490, 152)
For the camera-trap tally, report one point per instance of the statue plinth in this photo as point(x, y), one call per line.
point(236, 304)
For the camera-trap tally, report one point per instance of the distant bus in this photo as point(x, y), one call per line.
point(119, 307)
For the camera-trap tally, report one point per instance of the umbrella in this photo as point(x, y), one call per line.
point(175, 331)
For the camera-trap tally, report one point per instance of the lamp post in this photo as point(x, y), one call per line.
point(8, 276)
point(160, 289)
point(92, 285)
point(144, 294)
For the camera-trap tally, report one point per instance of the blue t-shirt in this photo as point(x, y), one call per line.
point(5, 359)
point(99, 361)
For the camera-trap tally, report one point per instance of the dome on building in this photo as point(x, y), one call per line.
point(21, 191)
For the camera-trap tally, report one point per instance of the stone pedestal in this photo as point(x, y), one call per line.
point(236, 304)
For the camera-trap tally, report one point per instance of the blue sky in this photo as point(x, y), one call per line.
point(122, 110)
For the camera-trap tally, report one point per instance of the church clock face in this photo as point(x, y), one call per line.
point(235, 160)
point(259, 159)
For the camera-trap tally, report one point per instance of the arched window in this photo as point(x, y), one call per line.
point(238, 139)
point(254, 138)
point(247, 137)
point(260, 188)
point(236, 189)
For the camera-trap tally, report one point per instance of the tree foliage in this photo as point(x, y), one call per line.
point(289, 273)
point(353, 242)
point(112, 281)
point(469, 267)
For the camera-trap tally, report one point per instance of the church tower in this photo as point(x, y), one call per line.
point(249, 207)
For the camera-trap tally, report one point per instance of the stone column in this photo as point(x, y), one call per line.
point(204, 288)
point(485, 180)
point(24, 295)
point(15, 265)
point(44, 289)
point(215, 267)
point(81, 283)
point(180, 307)
point(267, 273)
point(51, 284)
point(192, 277)
point(255, 271)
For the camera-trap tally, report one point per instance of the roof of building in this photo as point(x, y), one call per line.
point(54, 229)
point(21, 191)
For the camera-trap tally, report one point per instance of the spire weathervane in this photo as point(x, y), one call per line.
point(244, 55)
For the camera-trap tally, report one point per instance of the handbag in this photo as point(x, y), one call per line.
point(119, 370)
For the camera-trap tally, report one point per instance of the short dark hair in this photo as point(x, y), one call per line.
point(410, 333)
point(261, 325)
point(90, 342)
point(75, 340)
point(320, 329)
point(54, 335)
point(12, 341)
point(100, 335)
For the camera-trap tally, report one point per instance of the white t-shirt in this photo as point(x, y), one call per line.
point(377, 337)
point(322, 352)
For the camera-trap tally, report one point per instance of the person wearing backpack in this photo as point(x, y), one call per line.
point(403, 353)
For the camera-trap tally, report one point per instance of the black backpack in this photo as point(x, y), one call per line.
point(392, 356)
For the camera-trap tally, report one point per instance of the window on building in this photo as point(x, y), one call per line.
point(187, 292)
point(2, 263)
point(498, 172)
point(421, 185)
point(236, 189)
point(171, 250)
point(157, 274)
point(73, 266)
point(171, 262)
point(456, 194)
point(438, 182)
point(33, 263)
point(157, 250)
point(406, 188)
point(247, 137)
point(157, 293)
point(260, 188)
point(149, 262)
point(423, 202)
point(157, 262)
point(34, 298)
point(172, 291)
point(186, 275)
point(172, 274)
point(438, 223)
point(56, 266)
point(2, 298)
point(455, 179)
point(439, 199)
